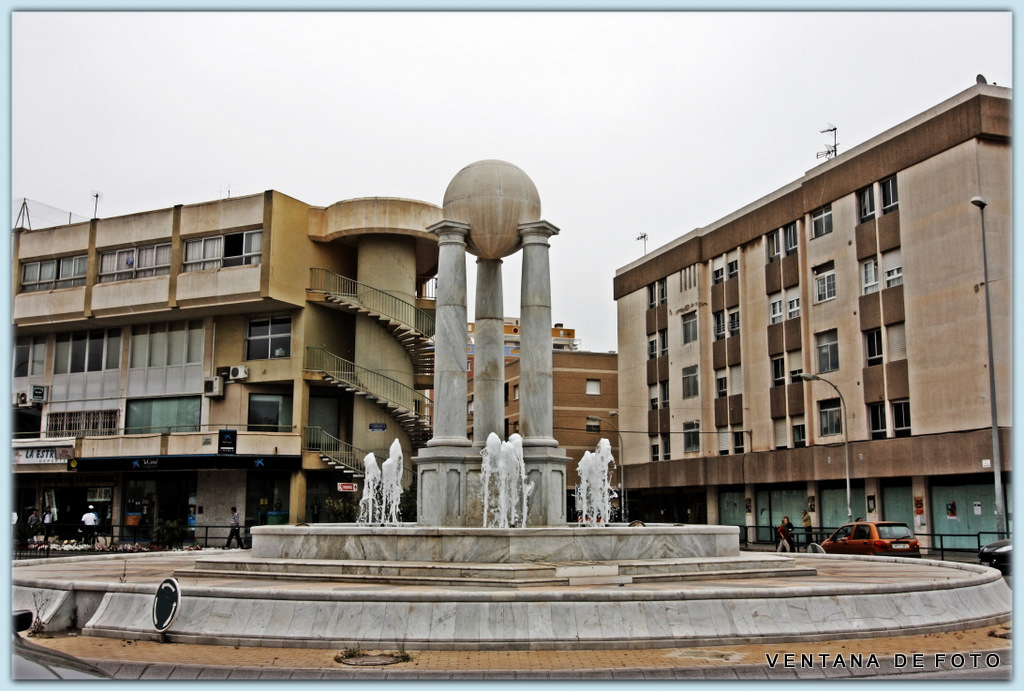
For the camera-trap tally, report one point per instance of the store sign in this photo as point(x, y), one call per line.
point(346, 487)
point(227, 441)
point(43, 454)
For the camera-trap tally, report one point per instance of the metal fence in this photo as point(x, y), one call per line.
point(71, 539)
point(938, 544)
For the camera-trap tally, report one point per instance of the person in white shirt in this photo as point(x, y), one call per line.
point(89, 520)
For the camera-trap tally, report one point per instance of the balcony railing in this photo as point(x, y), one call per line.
point(333, 450)
point(372, 299)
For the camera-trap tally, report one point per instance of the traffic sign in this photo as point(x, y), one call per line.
point(166, 604)
point(346, 487)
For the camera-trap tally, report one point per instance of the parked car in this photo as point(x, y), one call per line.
point(997, 554)
point(31, 661)
point(875, 538)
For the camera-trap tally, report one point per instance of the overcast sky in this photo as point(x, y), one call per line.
point(653, 123)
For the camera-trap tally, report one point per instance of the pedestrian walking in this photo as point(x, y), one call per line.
point(89, 521)
point(235, 529)
point(785, 535)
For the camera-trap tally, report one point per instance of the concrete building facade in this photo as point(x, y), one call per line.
point(244, 352)
point(868, 273)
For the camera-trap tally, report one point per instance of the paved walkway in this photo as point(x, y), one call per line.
point(986, 650)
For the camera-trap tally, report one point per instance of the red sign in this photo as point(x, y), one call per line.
point(346, 487)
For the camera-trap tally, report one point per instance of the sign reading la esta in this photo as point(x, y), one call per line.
point(43, 454)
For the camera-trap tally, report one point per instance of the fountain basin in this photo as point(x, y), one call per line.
point(448, 544)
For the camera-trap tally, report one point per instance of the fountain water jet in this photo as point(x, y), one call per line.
point(382, 488)
point(594, 493)
point(504, 488)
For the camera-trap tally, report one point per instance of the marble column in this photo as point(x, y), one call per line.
point(450, 338)
point(535, 379)
point(545, 462)
point(489, 353)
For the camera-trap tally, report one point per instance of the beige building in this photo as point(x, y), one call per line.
point(866, 272)
point(245, 352)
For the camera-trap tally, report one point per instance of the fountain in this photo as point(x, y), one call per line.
point(594, 493)
point(382, 489)
point(504, 489)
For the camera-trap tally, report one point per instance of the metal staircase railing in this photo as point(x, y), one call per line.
point(332, 450)
point(409, 407)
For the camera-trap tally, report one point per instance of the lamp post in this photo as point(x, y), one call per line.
point(622, 491)
point(997, 468)
point(846, 438)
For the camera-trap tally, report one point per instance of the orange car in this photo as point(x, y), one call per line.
point(876, 538)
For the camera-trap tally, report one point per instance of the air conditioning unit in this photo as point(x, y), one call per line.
point(23, 400)
point(213, 387)
point(38, 394)
point(238, 372)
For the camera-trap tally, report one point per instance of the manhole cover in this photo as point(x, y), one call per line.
point(368, 660)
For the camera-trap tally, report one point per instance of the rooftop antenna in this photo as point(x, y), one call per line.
point(23, 220)
point(643, 236)
point(97, 196)
point(830, 151)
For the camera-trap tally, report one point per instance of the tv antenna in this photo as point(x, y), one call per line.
point(830, 151)
point(643, 236)
point(97, 196)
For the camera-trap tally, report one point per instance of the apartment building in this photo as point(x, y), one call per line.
point(868, 274)
point(245, 352)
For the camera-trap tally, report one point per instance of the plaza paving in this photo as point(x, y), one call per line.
point(985, 648)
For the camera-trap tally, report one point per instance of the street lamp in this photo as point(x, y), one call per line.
point(846, 438)
point(997, 468)
point(622, 491)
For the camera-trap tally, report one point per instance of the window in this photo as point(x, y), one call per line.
point(664, 393)
point(690, 383)
point(653, 396)
point(165, 415)
point(792, 304)
point(719, 318)
point(873, 347)
point(232, 249)
point(269, 337)
point(718, 276)
point(778, 371)
point(593, 387)
point(721, 385)
point(792, 238)
point(135, 262)
point(593, 425)
point(82, 422)
point(794, 374)
point(270, 412)
point(689, 327)
point(830, 413)
point(736, 379)
point(662, 291)
point(691, 436)
point(799, 433)
point(897, 341)
point(734, 322)
point(87, 351)
point(167, 344)
point(824, 282)
point(821, 221)
point(652, 348)
point(893, 264)
point(775, 309)
point(779, 433)
point(732, 269)
point(737, 442)
point(866, 203)
point(901, 418)
point(723, 441)
point(655, 450)
point(869, 272)
point(666, 447)
point(828, 350)
point(772, 247)
point(890, 195)
point(29, 356)
point(68, 272)
point(876, 416)
point(663, 342)
point(652, 296)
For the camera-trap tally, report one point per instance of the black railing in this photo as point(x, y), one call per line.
point(68, 539)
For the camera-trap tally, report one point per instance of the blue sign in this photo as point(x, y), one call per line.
point(378, 426)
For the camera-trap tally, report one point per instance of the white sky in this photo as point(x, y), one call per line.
point(628, 123)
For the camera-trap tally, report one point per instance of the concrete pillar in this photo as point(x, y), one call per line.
point(489, 353)
point(297, 497)
point(450, 338)
point(535, 388)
